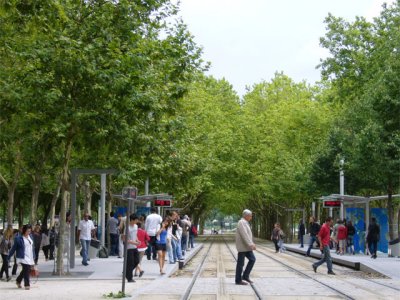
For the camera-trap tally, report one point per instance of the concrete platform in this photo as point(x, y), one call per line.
point(383, 265)
point(101, 277)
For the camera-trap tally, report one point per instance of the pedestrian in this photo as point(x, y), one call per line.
point(341, 237)
point(5, 246)
point(24, 248)
point(351, 231)
point(112, 226)
point(185, 233)
point(37, 240)
point(373, 236)
point(45, 242)
point(170, 249)
point(143, 238)
point(176, 237)
point(192, 235)
point(302, 232)
point(281, 240)
point(161, 244)
point(85, 231)
point(152, 225)
point(245, 247)
point(132, 254)
point(335, 244)
point(52, 239)
point(314, 230)
point(275, 236)
point(324, 238)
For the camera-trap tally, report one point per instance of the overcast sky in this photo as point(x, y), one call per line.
point(247, 41)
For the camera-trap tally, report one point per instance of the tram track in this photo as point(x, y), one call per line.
point(299, 256)
point(212, 266)
point(196, 274)
point(305, 275)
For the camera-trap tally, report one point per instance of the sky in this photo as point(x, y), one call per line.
point(247, 41)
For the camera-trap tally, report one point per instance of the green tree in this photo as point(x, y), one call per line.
point(364, 72)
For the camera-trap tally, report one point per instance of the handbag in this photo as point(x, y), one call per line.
point(34, 272)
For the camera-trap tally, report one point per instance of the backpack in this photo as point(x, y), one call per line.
point(103, 252)
point(194, 230)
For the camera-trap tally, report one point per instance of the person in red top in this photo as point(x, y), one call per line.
point(342, 237)
point(143, 238)
point(324, 237)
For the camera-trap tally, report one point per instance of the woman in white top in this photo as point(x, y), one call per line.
point(24, 247)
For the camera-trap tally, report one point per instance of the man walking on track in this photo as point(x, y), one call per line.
point(245, 247)
point(324, 237)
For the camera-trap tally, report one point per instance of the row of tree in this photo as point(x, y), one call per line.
point(117, 84)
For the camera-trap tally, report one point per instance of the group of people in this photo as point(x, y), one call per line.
point(341, 236)
point(23, 247)
point(153, 236)
point(174, 235)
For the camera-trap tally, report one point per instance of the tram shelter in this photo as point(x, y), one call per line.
point(347, 204)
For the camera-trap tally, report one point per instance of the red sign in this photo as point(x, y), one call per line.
point(162, 203)
point(332, 203)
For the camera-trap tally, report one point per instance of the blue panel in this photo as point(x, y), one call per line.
point(142, 210)
point(120, 210)
point(382, 219)
point(357, 216)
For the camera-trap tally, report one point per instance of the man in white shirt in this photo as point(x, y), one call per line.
point(152, 225)
point(85, 230)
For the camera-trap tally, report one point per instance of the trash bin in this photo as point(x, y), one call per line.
point(394, 248)
point(94, 248)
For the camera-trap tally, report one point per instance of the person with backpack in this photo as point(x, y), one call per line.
point(192, 235)
point(5, 246)
point(275, 236)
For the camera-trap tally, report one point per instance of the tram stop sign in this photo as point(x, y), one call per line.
point(163, 202)
point(332, 203)
point(129, 192)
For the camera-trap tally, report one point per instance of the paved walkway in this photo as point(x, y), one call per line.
point(101, 277)
point(104, 276)
point(388, 266)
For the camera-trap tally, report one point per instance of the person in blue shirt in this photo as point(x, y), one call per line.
point(161, 244)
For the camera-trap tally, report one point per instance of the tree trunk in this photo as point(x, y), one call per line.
point(63, 209)
point(88, 198)
point(54, 202)
point(10, 194)
point(37, 179)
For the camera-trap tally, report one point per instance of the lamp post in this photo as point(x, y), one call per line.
point(341, 188)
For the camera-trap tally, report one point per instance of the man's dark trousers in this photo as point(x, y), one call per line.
point(132, 260)
point(240, 263)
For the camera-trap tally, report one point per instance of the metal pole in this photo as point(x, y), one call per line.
point(103, 208)
point(366, 223)
point(126, 244)
point(73, 216)
point(313, 209)
point(146, 190)
point(341, 188)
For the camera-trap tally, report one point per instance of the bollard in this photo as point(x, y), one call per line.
point(181, 263)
